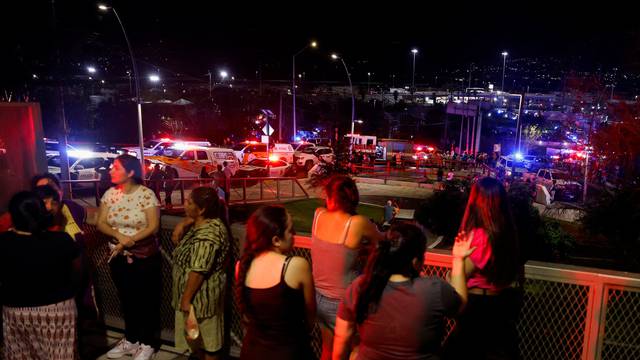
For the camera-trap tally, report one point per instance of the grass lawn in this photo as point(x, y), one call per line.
point(302, 212)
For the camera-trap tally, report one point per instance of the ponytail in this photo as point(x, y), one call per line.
point(394, 255)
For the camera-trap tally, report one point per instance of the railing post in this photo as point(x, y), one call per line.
point(97, 193)
point(261, 183)
point(182, 191)
point(293, 188)
point(595, 321)
point(278, 189)
point(244, 191)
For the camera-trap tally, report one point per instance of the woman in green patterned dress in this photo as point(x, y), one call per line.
point(199, 272)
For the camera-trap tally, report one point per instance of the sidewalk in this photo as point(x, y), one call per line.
point(165, 352)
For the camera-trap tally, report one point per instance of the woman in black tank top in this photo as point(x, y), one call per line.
point(278, 317)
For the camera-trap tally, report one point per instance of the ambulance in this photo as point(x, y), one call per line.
point(189, 160)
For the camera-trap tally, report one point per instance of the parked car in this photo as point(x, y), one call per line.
point(301, 146)
point(52, 148)
point(509, 164)
point(310, 156)
point(534, 163)
point(560, 185)
point(248, 151)
point(83, 165)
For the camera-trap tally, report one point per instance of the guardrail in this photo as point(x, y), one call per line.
point(569, 312)
point(242, 191)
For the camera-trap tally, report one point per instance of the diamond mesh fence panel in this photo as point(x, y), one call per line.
point(553, 320)
point(441, 272)
point(106, 292)
point(622, 319)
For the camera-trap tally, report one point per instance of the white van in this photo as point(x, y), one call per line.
point(158, 146)
point(189, 162)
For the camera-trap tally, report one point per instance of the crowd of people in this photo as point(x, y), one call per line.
point(364, 288)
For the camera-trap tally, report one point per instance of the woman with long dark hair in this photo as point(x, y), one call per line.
point(487, 327)
point(341, 242)
point(199, 272)
point(398, 314)
point(274, 290)
point(39, 273)
point(130, 215)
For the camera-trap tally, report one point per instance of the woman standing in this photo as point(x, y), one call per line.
point(339, 237)
point(398, 314)
point(39, 270)
point(130, 215)
point(199, 272)
point(274, 290)
point(487, 327)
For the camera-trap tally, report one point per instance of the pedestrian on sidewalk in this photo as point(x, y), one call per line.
point(170, 173)
point(397, 313)
point(39, 272)
point(341, 240)
point(274, 290)
point(199, 274)
point(486, 329)
point(130, 216)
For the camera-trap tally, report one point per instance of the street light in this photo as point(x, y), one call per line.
point(105, 8)
point(368, 82)
point(335, 56)
point(313, 45)
point(414, 51)
point(91, 69)
point(223, 74)
point(154, 78)
point(504, 63)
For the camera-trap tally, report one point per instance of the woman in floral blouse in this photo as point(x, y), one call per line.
point(130, 216)
point(199, 272)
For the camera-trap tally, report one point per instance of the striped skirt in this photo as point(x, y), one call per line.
point(40, 333)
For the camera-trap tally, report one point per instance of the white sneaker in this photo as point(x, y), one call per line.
point(123, 347)
point(145, 352)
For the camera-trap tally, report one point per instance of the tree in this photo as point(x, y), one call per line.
point(615, 217)
point(618, 143)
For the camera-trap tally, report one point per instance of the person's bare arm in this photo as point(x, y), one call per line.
point(194, 282)
point(461, 252)
point(342, 338)
point(364, 229)
point(300, 274)
point(103, 226)
point(180, 229)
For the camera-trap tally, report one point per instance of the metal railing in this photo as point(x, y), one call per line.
point(568, 312)
point(242, 191)
point(422, 172)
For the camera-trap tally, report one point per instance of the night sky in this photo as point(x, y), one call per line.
point(192, 37)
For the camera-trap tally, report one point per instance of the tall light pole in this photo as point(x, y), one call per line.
point(414, 51)
point(504, 64)
point(368, 82)
point(137, 81)
point(314, 45)
point(223, 75)
point(353, 99)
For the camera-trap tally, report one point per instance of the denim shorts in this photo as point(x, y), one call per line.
point(327, 310)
